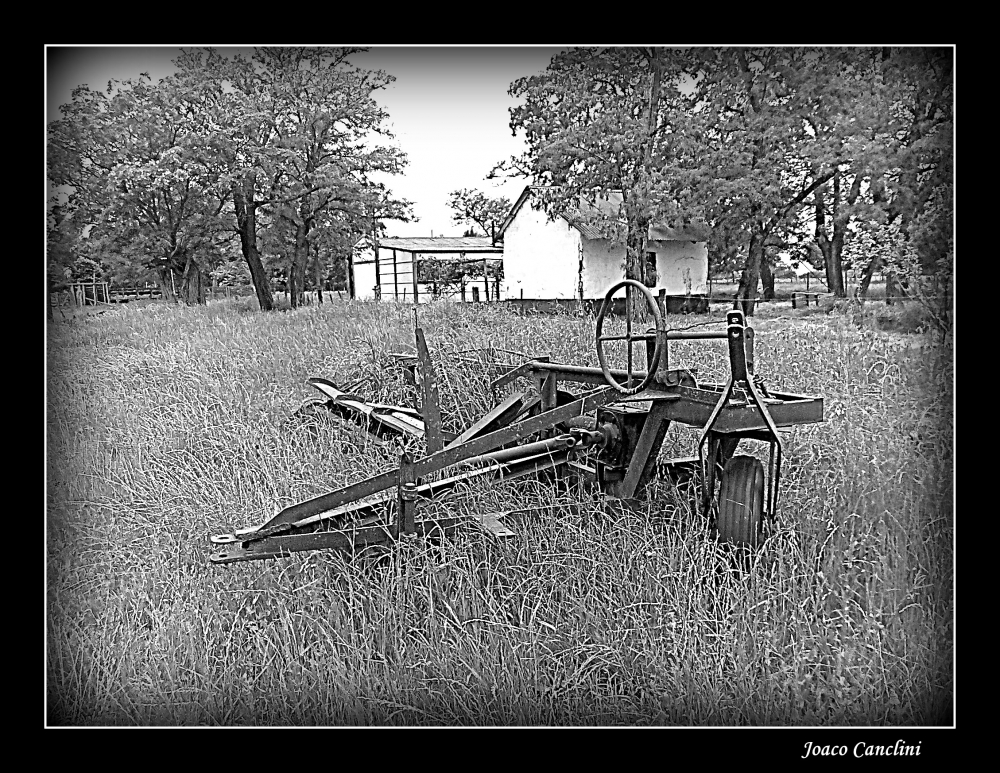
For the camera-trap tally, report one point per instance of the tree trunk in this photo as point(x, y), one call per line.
point(193, 283)
point(866, 278)
point(832, 249)
point(893, 288)
point(834, 263)
point(767, 279)
point(635, 250)
point(637, 219)
point(746, 294)
point(246, 222)
point(318, 276)
point(163, 280)
point(300, 259)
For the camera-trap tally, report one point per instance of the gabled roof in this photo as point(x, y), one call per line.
point(581, 217)
point(431, 244)
point(514, 210)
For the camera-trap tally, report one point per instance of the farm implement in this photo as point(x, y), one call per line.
point(609, 434)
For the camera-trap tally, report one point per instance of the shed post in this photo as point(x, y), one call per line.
point(395, 276)
point(413, 270)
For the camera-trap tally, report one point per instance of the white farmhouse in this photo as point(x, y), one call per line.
point(568, 258)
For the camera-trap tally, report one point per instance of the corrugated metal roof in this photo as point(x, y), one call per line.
point(428, 244)
point(587, 231)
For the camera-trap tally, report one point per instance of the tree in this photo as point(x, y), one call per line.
point(750, 155)
point(125, 158)
point(293, 127)
point(842, 136)
point(913, 95)
point(758, 143)
point(835, 138)
point(324, 116)
point(284, 138)
point(76, 167)
point(232, 138)
point(476, 208)
point(597, 121)
point(62, 245)
point(888, 119)
point(60, 252)
point(333, 241)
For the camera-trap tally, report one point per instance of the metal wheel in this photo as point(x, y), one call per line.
point(629, 337)
point(741, 502)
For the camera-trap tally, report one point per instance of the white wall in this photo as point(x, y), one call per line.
point(364, 280)
point(540, 257)
point(681, 267)
point(603, 267)
point(678, 264)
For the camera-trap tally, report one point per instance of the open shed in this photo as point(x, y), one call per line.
point(417, 269)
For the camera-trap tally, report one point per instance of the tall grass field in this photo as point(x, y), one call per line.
point(168, 424)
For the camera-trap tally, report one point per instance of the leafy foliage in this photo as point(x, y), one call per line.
point(448, 275)
point(475, 207)
point(598, 121)
point(168, 174)
point(127, 157)
point(770, 147)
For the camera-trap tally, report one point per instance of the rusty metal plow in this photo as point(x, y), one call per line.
point(313, 524)
point(611, 435)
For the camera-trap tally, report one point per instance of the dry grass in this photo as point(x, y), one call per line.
point(167, 424)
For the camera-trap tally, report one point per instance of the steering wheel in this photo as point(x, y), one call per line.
point(629, 337)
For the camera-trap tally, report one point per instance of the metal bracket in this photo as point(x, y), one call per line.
point(430, 405)
point(492, 524)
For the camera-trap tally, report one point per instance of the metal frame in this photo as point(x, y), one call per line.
point(527, 435)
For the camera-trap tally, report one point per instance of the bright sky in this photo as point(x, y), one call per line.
point(448, 109)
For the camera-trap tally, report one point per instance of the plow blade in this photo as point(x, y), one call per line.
point(299, 526)
point(367, 528)
point(382, 419)
point(440, 460)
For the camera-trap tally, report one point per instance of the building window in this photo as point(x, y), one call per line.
point(651, 277)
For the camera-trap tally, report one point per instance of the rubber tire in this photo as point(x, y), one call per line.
point(741, 502)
